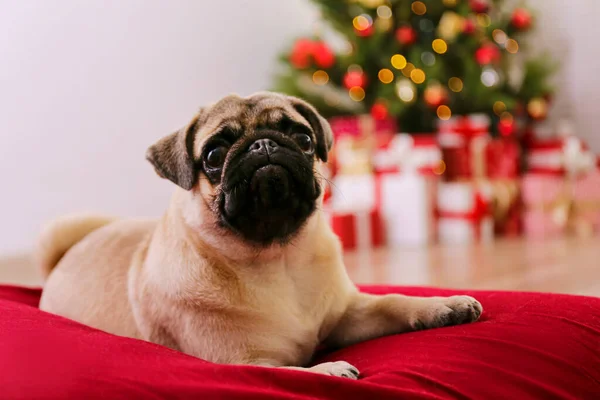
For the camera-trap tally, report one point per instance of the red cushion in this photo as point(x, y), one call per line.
point(525, 346)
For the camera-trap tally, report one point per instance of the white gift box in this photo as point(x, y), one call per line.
point(463, 213)
point(407, 204)
point(351, 192)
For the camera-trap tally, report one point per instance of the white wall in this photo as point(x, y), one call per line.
point(86, 86)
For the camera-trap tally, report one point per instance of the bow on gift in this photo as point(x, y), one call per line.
point(407, 153)
point(577, 158)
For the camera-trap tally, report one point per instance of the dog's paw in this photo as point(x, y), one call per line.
point(447, 311)
point(337, 368)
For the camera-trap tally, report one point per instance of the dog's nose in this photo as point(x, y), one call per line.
point(267, 146)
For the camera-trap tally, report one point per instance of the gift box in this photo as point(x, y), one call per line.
point(557, 205)
point(463, 141)
point(407, 204)
point(357, 229)
point(356, 139)
point(463, 212)
point(406, 169)
point(561, 156)
point(503, 159)
point(351, 192)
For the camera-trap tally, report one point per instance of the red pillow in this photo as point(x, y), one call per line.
point(526, 346)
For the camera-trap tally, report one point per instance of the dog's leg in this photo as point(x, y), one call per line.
point(341, 369)
point(370, 316)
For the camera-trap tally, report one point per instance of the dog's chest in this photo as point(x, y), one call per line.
point(289, 307)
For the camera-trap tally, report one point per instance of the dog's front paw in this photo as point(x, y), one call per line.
point(337, 368)
point(447, 311)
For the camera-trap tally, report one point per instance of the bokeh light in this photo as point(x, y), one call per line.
point(357, 93)
point(440, 168)
point(444, 113)
point(408, 69)
point(384, 12)
point(439, 46)
point(428, 58)
point(490, 77)
point(512, 46)
point(418, 7)
point(385, 75)
point(417, 75)
point(398, 61)
point(499, 36)
point(405, 90)
point(320, 77)
point(362, 22)
point(499, 108)
point(354, 68)
point(484, 20)
point(455, 84)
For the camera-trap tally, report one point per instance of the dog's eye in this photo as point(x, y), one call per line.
point(304, 142)
point(216, 157)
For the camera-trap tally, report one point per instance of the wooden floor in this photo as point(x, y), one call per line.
point(561, 266)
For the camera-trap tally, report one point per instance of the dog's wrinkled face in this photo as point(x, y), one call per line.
point(253, 161)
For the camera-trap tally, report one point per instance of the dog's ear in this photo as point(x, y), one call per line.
point(320, 126)
point(173, 156)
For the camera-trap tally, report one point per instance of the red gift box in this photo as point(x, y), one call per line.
point(503, 157)
point(358, 229)
point(463, 141)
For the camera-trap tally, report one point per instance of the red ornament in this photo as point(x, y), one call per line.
point(301, 53)
point(521, 19)
point(469, 26)
point(324, 57)
point(406, 35)
point(355, 78)
point(379, 110)
point(479, 6)
point(487, 54)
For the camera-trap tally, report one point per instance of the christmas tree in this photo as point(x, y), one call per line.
point(421, 61)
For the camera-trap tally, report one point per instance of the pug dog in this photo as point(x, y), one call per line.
point(243, 267)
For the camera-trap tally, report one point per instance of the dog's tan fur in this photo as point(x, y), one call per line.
point(185, 283)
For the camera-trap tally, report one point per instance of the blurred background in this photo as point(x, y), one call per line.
point(466, 139)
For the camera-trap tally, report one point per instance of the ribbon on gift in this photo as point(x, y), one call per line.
point(409, 153)
point(481, 210)
point(569, 213)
